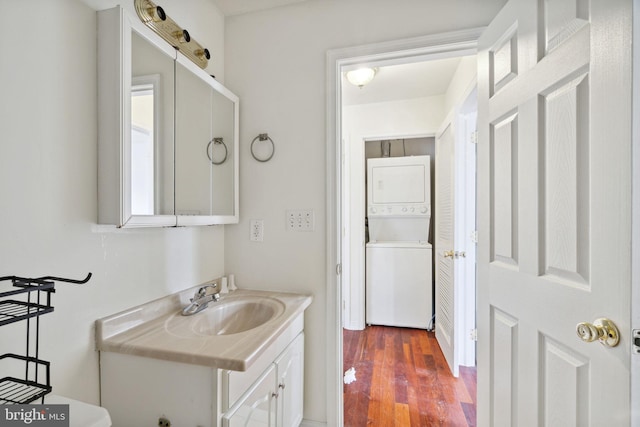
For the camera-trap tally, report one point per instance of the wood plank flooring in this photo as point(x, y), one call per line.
point(402, 379)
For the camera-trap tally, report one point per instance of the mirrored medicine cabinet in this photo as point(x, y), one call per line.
point(167, 133)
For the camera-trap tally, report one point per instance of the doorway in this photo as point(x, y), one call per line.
point(438, 46)
point(337, 59)
point(423, 49)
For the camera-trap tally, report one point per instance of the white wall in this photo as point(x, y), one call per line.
point(275, 62)
point(48, 188)
point(464, 75)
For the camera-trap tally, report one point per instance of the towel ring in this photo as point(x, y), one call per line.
point(217, 141)
point(263, 137)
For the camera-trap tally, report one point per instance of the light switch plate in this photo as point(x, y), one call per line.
point(300, 220)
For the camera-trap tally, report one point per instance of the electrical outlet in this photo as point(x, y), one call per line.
point(257, 230)
point(163, 422)
point(300, 220)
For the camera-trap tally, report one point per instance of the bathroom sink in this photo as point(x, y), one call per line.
point(230, 315)
point(231, 333)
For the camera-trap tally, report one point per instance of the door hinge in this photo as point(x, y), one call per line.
point(338, 269)
point(473, 137)
point(474, 236)
point(473, 335)
point(636, 341)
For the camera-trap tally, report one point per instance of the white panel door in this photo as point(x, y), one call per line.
point(554, 211)
point(444, 245)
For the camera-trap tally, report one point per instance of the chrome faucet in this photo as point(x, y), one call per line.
point(202, 298)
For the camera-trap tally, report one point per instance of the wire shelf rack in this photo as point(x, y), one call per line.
point(26, 299)
point(20, 391)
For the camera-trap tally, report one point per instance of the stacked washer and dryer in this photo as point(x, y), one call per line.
point(398, 255)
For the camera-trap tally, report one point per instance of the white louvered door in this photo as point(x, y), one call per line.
point(444, 245)
point(554, 209)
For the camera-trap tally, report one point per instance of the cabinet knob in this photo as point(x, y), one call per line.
point(275, 395)
point(281, 385)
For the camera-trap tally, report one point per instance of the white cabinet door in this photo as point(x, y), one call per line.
point(258, 406)
point(554, 199)
point(290, 374)
point(138, 390)
point(444, 244)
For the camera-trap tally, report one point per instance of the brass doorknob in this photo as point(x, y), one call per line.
point(601, 329)
point(448, 254)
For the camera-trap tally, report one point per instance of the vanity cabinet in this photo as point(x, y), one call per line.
point(167, 132)
point(139, 390)
point(276, 397)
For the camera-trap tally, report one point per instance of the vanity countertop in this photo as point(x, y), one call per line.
point(158, 330)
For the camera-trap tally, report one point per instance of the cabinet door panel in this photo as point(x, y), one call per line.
point(290, 373)
point(257, 407)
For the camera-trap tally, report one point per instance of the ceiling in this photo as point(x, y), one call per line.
point(405, 81)
point(227, 7)
point(238, 7)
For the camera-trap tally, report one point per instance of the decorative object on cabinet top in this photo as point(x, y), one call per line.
point(269, 151)
point(154, 17)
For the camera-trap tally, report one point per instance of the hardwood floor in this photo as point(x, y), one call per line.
point(402, 379)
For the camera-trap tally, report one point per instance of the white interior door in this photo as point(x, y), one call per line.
point(466, 229)
point(444, 242)
point(554, 210)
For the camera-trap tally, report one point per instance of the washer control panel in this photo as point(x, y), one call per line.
point(399, 210)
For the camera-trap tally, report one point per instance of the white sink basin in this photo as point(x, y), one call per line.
point(230, 315)
point(229, 334)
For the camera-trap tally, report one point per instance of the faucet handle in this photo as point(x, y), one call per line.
point(202, 291)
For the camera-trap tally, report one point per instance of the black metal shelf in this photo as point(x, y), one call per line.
point(15, 391)
point(15, 311)
point(12, 310)
point(36, 294)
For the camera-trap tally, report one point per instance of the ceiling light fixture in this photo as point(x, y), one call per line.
point(361, 76)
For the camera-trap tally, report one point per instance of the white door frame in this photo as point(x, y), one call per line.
point(635, 212)
point(457, 43)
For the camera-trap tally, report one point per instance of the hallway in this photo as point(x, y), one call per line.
point(402, 379)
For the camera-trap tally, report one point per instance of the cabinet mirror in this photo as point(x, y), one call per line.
point(168, 133)
point(206, 147)
point(152, 129)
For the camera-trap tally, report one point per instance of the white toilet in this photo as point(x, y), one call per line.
point(81, 414)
